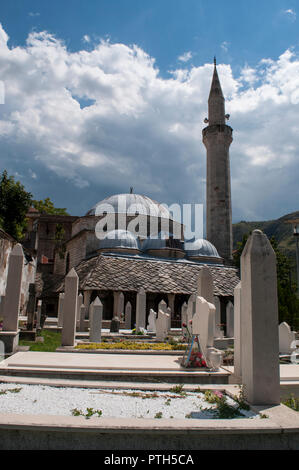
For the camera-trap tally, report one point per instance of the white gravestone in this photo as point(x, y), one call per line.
point(286, 337)
point(128, 316)
point(203, 324)
point(218, 330)
point(151, 327)
point(162, 324)
point(140, 310)
point(184, 314)
point(191, 307)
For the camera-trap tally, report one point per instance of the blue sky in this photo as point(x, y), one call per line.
point(104, 95)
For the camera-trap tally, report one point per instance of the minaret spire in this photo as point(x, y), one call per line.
point(217, 137)
point(216, 100)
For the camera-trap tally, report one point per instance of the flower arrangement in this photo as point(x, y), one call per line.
point(196, 359)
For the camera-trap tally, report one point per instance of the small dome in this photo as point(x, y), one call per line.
point(119, 239)
point(130, 204)
point(201, 248)
point(163, 240)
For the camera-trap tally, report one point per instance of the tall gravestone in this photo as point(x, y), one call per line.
point(31, 307)
point(120, 307)
point(205, 284)
point(128, 315)
point(60, 309)
point(230, 320)
point(184, 314)
point(140, 309)
point(151, 327)
point(82, 317)
point(79, 303)
point(70, 309)
point(38, 316)
point(259, 317)
point(96, 321)
point(191, 307)
point(218, 330)
point(162, 325)
point(11, 308)
point(237, 333)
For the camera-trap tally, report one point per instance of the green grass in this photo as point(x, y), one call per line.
point(52, 340)
point(292, 402)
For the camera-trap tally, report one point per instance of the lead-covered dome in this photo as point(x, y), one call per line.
point(164, 245)
point(201, 249)
point(130, 204)
point(119, 240)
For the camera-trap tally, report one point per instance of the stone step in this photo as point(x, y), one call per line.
point(108, 367)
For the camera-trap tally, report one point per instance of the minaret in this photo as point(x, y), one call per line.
point(217, 137)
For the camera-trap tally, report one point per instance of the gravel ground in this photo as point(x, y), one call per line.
point(39, 399)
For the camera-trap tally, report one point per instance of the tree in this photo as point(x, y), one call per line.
point(46, 206)
point(288, 302)
point(14, 204)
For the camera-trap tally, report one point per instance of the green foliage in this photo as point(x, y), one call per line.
point(177, 389)
point(292, 402)
point(10, 390)
point(223, 409)
point(288, 302)
point(14, 204)
point(89, 412)
point(46, 206)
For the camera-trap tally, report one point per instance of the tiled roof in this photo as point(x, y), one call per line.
point(113, 272)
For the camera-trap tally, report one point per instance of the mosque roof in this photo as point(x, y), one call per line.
point(130, 273)
point(119, 239)
point(200, 247)
point(130, 204)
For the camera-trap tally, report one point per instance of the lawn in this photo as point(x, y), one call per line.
point(52, 340)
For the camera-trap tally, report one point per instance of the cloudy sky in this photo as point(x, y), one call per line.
point(99, 96)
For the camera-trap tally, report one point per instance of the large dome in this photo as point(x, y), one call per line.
point(130, 204)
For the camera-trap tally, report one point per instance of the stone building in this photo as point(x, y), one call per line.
point(155, 256)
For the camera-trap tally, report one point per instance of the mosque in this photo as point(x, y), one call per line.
point(126, 260)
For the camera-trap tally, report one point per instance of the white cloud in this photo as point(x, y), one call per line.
point(185, 57)
point(86, 38)
point(33, 14)
point(140, 129)
point(290, 13)
point(224, 46)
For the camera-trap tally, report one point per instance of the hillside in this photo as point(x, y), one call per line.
point(282, 232)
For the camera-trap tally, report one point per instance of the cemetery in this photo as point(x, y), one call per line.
point(170, 395)
point(149, 343)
